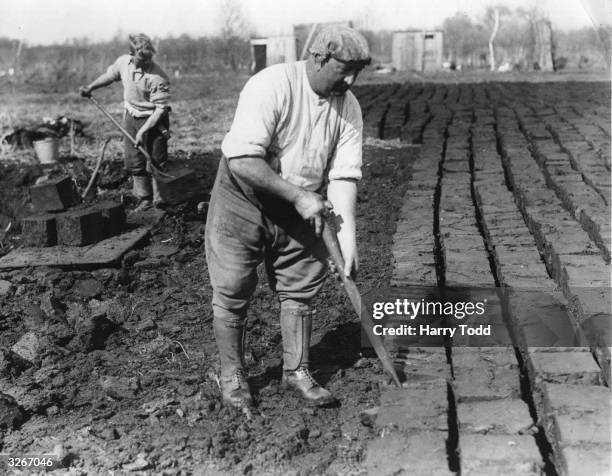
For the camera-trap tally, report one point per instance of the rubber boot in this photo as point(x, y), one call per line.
point(296, 328)
point(142, 187)
point(142, 190)
point(234, 386)
point(158, 200)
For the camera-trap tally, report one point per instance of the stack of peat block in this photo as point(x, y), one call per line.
point(61, 218)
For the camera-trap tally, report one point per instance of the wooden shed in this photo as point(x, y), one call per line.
point(283, 49)
point(272, 50)
point(415, 50)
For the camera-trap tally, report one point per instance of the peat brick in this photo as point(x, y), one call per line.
point(80, 227)
point(566, 367)
point(422, 405)
point(415, 453)
point(485, 374)
point(481, 384)
point(182, 186)
point(588, 459)
point(499, 454)
point(507, 417)
point(113, 215)
point(54, 195)
point(581, 413)
point(39, 230)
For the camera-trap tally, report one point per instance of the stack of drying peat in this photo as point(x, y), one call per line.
point(62, 219)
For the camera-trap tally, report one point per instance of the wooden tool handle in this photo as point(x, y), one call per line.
point(335, 253)
point(333, 247)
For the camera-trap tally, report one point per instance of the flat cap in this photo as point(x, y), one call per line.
point(341, 43)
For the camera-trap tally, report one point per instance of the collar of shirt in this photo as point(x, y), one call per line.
point(136, 69)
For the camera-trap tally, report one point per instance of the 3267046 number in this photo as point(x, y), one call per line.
point(29, 462)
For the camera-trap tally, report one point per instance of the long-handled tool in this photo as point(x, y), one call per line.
point(96, 170)
point(333, 247)
point(151, 167)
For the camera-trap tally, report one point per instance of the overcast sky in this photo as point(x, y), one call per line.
point(52, 21)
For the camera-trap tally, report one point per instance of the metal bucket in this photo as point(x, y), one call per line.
point(47, 150)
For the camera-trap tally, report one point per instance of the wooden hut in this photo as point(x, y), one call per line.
point(272, 50)
point(283, 49)
point(415, 50)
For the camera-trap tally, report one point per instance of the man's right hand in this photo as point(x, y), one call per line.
point(311, 207)
point(85, 91)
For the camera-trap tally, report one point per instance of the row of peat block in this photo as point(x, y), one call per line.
point(63, 220)
point(569, 399)
point(566, 383)
point(464, 410)
point(495, 430)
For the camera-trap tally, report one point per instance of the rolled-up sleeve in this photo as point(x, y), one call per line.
point(346, 160)
point(160, 93)
point(255, 120)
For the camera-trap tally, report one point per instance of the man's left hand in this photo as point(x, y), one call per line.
point(139, 136)
point(311, 206)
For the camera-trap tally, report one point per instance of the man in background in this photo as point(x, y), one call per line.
point(146, 96)
point(297, 131)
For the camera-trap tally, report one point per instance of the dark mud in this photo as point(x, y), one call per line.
point(121, 368)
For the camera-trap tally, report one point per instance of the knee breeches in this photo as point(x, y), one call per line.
point(239, 236)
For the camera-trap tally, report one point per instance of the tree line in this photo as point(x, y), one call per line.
point(519, 39)
point(78, 59)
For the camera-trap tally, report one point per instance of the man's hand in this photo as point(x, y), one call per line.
point(311, 207)
point(351, 260)
point(138, 138)
point(85, 91)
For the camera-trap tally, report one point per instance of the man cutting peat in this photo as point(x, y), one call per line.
point(292, 154)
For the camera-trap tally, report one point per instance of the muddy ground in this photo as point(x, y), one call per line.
point(124, 364)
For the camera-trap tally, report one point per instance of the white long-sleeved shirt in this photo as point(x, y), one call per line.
point(300, 134)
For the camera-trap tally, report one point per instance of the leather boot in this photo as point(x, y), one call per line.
point(234, 386)
point(296, 328)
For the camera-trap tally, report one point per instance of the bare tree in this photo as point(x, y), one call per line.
point(464, 40)
point(234, 28)
point(542, 45)
point(492, 18)
point(492, 37)
point(17, 59)
point(604, 34)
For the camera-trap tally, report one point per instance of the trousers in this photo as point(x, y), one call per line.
point(242, 233)
point(155, 143)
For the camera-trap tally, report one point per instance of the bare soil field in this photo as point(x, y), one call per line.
point(467, 182)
